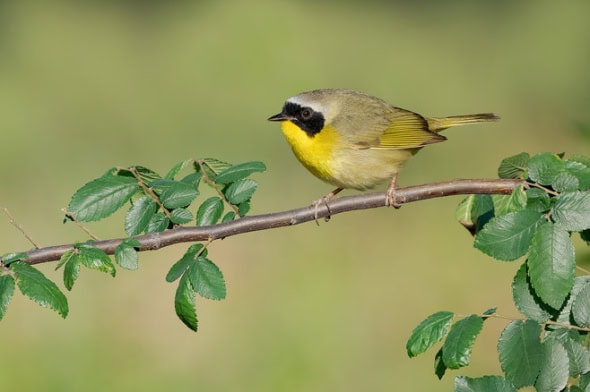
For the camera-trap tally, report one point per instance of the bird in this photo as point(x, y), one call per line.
point(353, 140)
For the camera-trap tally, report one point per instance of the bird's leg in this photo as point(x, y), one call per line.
point(391, 200)
point(326, 199)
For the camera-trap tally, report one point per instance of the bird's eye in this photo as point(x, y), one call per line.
point(306, 113)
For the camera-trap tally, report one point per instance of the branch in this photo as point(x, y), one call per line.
point(275, 220)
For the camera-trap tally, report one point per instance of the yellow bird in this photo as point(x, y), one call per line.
point(356, 141)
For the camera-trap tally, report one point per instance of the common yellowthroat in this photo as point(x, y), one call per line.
point(353, 140)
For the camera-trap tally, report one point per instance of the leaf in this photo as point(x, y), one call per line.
point(32, 283)
point(521, 352)
point(102, 197)
point(537, 200)
point(228, 217)
point(146, 175)
point(178, 194)
point(212, 167)
point(158, 223)
point(565, 182)
point(193, 179)
point(551, 264)
point(514, 166)
point(508, 237)
point(6, 292)
point(181, 265)
point(483, 384)
point(474, 212)
point(184, 303)
point(240, 191)
point(243, 208)
point(525, 299)
point(71, 270)
point(238, 172)
point(544, 167)
point(94, 258)
point(206, 279)
point(439, 366)
point(565, 316)
point(490, 311)
point(126, 255)
point(9, 258)
point(580, 170)
point(581, 307)
point(181, 216)
point(139, 215)
point(572, 211)
point(210, 211)
point(516, 201)
point(456, 349)
point(429, 332)
point(177, 168)
point(578, 355)
point(554, 371)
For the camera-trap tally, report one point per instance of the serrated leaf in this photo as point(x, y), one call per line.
point(146, 175)
point(94, 258)
point(544, 167)
point(521, 352)
point(177, 168)
point(514, 167)
point(508, 237)
point(565, 182)
point(581, 307)
point(207, 279)
point(181, 216)
point(71, 271)
point(213, 167)
point(228, 217)
point(158, 223)
point(12, 257)
point(483, 384)
point(572, 211)
point(6, 292)
point(456, 349)
point(565, 316)
point(238, 172)
point(525, 299)
point(210, 211)
point(554, 371)
point(439, 366)
point(65, 257)
point(551, 264)
point(102, 197)
point(430, 331)
point(193, 179)
point(184, 303)
point(516, 201)
point(178, 194)
point(579, 357)
point(32, 283)
point(243, 208)
point(537, 200)
point(474, 212)
point(126, 256)
point(139, 215)
point(240, 191)
point(186, 260)
point(581, 170)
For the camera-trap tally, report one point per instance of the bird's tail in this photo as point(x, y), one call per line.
point(437, 124)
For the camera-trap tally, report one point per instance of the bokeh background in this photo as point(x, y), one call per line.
point(90, 85)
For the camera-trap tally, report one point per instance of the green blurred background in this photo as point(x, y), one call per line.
point(90, 85)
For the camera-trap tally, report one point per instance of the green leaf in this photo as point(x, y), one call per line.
point(572, 211)
point(210, 211)
point(240, 191)
point(177, 168)
point(578, 355)
point(508, 237)
point(6, 292)
point(181, 265)
point(525, 299)
point(32, 283)
point(181, 216)
point(206, 279)
point(439, 366)
point(474, 212)
point(554, 371)
point(483, 384)
point(565, 316)
point(228, 217)
point(514, 167)
point(504, 204)
point(94, 258)
point(158, 223)
point(552, 264)
point(126, 255)
point(430, 331)
point(102, 197)
point(9, 258)
point(238, 172)
point(544, 167)
point(490, 311)
point(193, 179)
point(71, 270)
point(537, 200)
point(243, 208)
point(178, 194)
point(521, 352)
point(456, 349)
point(212, 167)
point(581, 171)
point(565, 182)
point(184, 303)
point(139, 215)
point(146, 175)
point(581, 307)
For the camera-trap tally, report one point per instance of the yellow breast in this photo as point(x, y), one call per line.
point(314, 152)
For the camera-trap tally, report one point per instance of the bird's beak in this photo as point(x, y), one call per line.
point(279, 117)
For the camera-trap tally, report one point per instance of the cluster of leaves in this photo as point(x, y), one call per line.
point(548, 348)
point(156, 203)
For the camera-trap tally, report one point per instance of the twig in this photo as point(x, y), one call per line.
point(216, 187)
point(19, 227)
point(80, 225)
point(275, 220)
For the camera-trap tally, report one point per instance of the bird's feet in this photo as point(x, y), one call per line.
point(326, 201)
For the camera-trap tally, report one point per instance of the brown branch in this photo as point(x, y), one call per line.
point(275, 220)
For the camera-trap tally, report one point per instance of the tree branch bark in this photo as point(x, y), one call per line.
point(275, 220)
